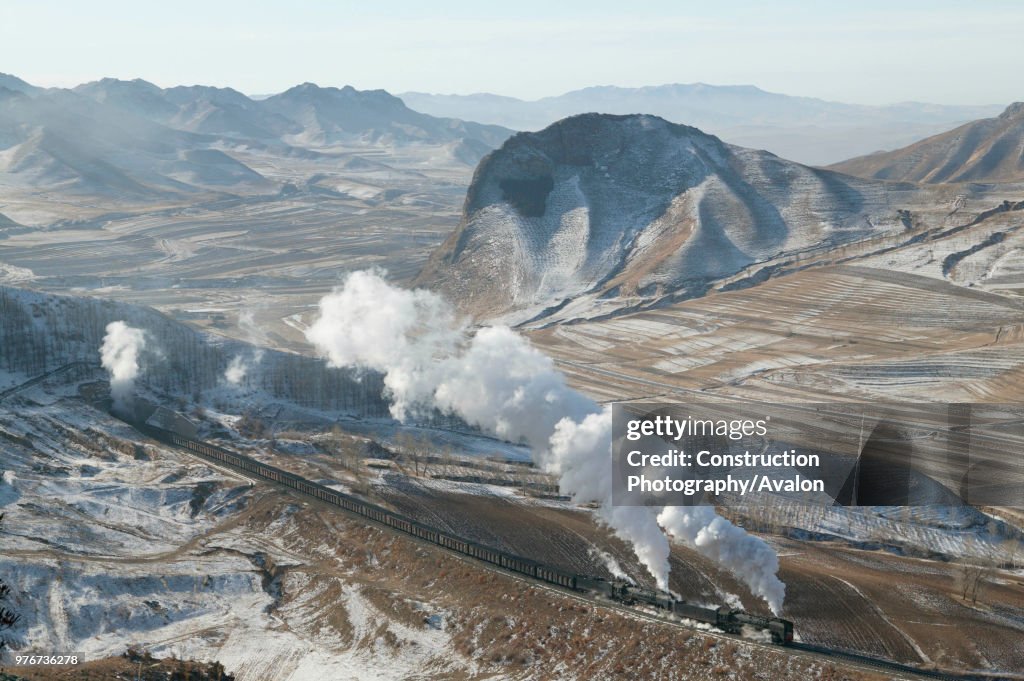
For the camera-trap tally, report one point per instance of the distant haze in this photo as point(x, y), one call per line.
point(803, 129)
point(870, 52)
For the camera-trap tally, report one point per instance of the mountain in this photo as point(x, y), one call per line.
point(224, 111)
point(598, 213)
point(16, 84)
point(63, 140)
point(803, 128)
point(306, 115)
point(137, 96)
point(327, 115)
point(197, 108)
point(989, 150)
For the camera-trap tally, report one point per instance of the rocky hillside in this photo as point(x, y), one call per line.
point(599, 213)
point(988, 150)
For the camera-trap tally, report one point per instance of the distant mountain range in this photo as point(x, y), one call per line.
point(600, 213)
point(989, 150)
point(804, 129)
point(135, 140)
point(61, 140)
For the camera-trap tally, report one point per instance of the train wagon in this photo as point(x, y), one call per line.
point(725, 618)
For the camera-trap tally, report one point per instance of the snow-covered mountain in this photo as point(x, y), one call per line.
point(988, 150)
point(599, 213)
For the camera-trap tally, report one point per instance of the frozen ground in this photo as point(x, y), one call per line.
point(209, 259)
point(110, 541)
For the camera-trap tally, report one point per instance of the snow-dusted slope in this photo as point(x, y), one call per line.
point(625, 209)
point(63, 141)
point(987, 150)
point(42, 333)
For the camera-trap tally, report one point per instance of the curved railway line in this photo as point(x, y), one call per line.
point(594, 591)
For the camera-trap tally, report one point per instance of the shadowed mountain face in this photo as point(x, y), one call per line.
point(989, 150)
point(599, 213)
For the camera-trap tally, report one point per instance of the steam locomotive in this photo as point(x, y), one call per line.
point(619, 590)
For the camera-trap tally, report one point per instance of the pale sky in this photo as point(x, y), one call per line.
point(869, 52)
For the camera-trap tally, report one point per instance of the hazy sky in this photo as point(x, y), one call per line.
point(952, 52)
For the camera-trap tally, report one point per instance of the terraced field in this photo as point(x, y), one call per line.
point(272, 254)
point(853, 331)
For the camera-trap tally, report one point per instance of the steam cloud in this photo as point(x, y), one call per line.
point(749, 558)
point(494, 379)
point(120, 356)
point(610, 563)
point(243, 363)
point(237, 369)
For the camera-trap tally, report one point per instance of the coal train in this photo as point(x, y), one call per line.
point(727, 619)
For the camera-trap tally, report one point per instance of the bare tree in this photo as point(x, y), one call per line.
point(447, 460)
point(969, 579)
point(8, 618)
point(402, 444)
point(1011, 549)
point(347, 450)
point(421, 455)
point(413, 452)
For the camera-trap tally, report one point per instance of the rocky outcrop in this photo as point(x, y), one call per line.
point(598, 213)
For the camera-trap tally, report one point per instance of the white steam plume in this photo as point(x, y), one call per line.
point(237, 369)
point(748, 557)
point(243, 363)
point(494, 379)
point(609, 562)
point(120, 356)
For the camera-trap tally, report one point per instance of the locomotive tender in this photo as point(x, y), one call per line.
point(727, 619)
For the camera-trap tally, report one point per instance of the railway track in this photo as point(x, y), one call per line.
point(207, 453)
point(4, 394)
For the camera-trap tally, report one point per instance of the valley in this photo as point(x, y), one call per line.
point(433, 315)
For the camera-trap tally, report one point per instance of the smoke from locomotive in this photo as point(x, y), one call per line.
point(494, 379)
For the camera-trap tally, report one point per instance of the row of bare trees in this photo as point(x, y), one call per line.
point(41, 332)
point(8, 617)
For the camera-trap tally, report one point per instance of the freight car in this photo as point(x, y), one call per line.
point(619, 590)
